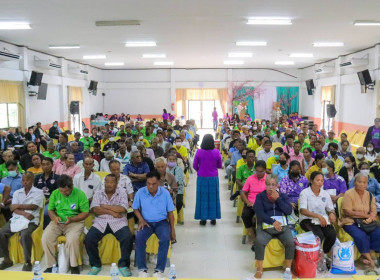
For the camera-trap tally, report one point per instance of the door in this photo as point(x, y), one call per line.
point(201, 111)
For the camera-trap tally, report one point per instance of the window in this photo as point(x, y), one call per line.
point(8, 115)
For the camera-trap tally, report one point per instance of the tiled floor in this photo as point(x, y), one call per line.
point(210, 251)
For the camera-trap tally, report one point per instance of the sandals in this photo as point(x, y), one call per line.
point(258, 274)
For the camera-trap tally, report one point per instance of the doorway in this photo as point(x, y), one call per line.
point(327, 123)
point(201, 111)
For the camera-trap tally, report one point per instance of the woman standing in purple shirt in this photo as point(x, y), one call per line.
point(207, 160)
point(165, 115)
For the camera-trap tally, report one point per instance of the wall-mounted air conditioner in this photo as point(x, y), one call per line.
point(354, 62)
point(324, 69)
point(6, 55)
point(76, 70)
point(46, 63)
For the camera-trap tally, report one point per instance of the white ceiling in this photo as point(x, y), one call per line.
point(193, 33)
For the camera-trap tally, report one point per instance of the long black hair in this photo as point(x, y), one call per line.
point(208, 142)
point(165, 111)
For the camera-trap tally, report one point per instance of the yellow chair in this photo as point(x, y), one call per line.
point(101, 174)
point(276, 145)
point(16, 252)
point(70, 137)
point(152, 248)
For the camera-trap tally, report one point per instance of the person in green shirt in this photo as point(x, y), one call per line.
point(244, 172)
point(301, 139)
point(87, 140)
point(68, 208)
point(51, 152)
point(330, 138)
point(121, 130)
point(7, 156)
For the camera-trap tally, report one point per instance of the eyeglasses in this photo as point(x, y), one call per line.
point(271, 185)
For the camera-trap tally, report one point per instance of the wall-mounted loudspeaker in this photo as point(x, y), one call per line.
point(74, 107)
point(330, 110)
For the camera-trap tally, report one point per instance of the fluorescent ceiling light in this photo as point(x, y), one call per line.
point(101, 56)
point(114, 64)
point(250, 43)
point(140, 44)
point(301, 55)
point(14, 25)
point(270, 21)
point(154, 55)
point(233, 62)
point(328, 44)
point(164, 63)
point(64, 47)
point(117, 22)
point(239, 54)
point(366, 23)
point(284, 62)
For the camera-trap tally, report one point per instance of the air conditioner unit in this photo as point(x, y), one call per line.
point(77, 70)
point(324, 69)
point(47, 64)
point(354, 62)
point(5, 55)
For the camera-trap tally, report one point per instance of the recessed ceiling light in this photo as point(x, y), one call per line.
point(114, 64)
point(164, 63)
point(240, 54)
point(64, 47)
point(269, 21)
point(154, 55)
point(14, 25)
point(328, 44)
point(233, 62)
point(367, 23)
point(140, 44)
point(301, 55)
point(101, 56)
point(284, 62)
point(250, 43)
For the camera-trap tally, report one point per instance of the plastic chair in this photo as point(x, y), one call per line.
point(16, 252)
point(276, 145)
point(101, 174)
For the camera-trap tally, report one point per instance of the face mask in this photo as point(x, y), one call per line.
point(141, 137)
point(112, 139)
point(12, 174)
point(244, 156)
point(333, 153)
point(369, 149)
point(156, 125)
point(276, 157)
point(325, 171)
point(347, 165)
point(178, 144)
point(359, 156)
point(55, 125)
point(250, 133)
point(294, 174)
point(282, 162)
point(365, 172)
point(255, 128)
point(172, 164)
point(85, 134)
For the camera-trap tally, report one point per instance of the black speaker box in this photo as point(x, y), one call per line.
point(74, 107)
point(330, 110)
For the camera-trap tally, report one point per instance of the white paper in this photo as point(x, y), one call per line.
point(316, 221)
point(331, 192)
point(306, 238)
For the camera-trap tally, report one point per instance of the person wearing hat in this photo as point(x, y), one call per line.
point(330, 138)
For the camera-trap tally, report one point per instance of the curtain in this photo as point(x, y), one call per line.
point(328, 94)
point(75, 94)
point(263, 102)
point(222, 96)
point(288, 97)
point(251, 108)
point(201, 94)
point(180, 102)
point(13, 92)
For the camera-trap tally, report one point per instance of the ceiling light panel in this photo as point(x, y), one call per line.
point(269, 21)
point(141, 44)
point(13, 25)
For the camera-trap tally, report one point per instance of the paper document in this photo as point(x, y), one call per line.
point(306, 238)
point(316, 221)
point(280, 219)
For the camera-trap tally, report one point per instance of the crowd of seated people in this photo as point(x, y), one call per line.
point(112, 173)
point(285, 167)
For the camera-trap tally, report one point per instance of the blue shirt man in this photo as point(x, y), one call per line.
point(136, 170)
point(14, 182)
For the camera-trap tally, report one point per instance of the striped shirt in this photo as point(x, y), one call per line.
point(119, 198)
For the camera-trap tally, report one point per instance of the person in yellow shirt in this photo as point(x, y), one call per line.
point(36, 168)
point(243, 160)
point(180, 149)
point(105, 140)
point(319, 165)
point(253, 143)
point(272, 162)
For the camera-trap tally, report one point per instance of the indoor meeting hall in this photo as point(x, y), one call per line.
point(203, 139)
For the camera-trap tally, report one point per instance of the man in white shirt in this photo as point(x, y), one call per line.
point(87, 180)
point(26, 205)
point(265, 153)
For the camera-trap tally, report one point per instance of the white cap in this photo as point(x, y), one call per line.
point(172, 265)
point(113, 264)
point(287, 269)
point(36, 262)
